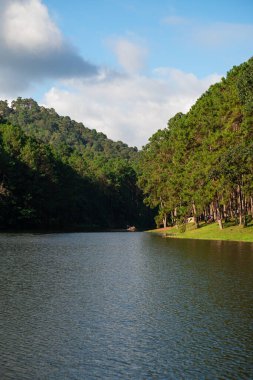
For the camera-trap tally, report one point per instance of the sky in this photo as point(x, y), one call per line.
point(122, 67)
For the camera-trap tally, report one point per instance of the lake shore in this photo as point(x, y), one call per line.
point(211, 231)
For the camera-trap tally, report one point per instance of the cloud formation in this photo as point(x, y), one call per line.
point(33, 48)
point(174, 20)
point(130, 55)
point(126, 105)
point(27, 27)
point(221, 34)
point(213, 35)
point(129, 107)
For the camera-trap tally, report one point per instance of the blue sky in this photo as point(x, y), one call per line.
point(123, 67)
point(171, 30)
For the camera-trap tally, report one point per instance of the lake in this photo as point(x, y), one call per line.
point(124, 306)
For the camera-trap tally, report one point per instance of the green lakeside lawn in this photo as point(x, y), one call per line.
point(209, 232)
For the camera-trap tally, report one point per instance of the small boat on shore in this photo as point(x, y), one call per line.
point(131, 228)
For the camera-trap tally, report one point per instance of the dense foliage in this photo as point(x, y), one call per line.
point(55, 173)
point(201, 165)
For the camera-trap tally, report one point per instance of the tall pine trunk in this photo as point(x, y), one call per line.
point(165, 220)
point(195, 217)
point(241, 207)
point(218, 214)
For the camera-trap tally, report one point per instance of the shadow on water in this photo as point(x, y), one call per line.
point(117, 305)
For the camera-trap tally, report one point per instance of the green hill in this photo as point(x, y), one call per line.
point(55, 173)
point(201, 165)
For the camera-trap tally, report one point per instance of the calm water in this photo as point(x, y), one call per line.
point(124, 306)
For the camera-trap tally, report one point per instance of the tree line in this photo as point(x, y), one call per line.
point(57, 174)
point(201, 165)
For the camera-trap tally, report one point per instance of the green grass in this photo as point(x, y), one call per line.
point(210, 232)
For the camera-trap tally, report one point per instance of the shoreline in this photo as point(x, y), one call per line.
point(64, 231)
point(210, 232)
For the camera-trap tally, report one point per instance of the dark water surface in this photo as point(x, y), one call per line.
point(124, 306)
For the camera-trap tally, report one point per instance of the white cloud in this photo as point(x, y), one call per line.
point(33, 48)
point(130, 55)
point(222, 34)
point(27, 25)
point(211, 35)
point(174, 20)
point(129, 108)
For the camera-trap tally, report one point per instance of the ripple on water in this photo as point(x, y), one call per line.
point(124, 306)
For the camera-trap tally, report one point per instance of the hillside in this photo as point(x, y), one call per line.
point(201, 165)
point(47, 126)
point(56, 173)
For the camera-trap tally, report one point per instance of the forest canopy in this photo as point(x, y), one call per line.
point(57, 174)
point(201, 165)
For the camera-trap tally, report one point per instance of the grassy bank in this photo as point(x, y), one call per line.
point(209, 232)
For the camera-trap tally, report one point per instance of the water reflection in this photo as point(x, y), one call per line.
point(119, 305)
